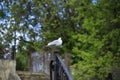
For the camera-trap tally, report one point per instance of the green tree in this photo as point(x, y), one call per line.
point(86, 29)
point(20, 26)
point(97, 47)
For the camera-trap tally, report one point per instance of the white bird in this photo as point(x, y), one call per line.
point(57, 42)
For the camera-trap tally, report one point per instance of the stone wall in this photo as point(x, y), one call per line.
point(116, 74)
point(8, 70)
point(40, 62)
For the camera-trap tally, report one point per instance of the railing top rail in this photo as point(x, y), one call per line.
point(64, 67)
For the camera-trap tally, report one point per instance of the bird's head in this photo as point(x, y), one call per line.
point(59, 38)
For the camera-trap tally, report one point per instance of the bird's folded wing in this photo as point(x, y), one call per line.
point(53, 43)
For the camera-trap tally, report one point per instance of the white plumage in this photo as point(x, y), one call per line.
point(57, 42)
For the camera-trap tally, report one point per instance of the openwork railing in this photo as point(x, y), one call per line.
point(58, 70)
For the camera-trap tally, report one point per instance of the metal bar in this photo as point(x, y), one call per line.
point(51, 67)
point(55, 71)
point(64, 67)
point(59, 69)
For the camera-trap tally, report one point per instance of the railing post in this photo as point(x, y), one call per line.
point(51, 69)
point(56, 67)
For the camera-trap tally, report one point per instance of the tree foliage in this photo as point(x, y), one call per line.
point(98, 46)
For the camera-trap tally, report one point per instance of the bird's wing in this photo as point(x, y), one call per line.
point(53, 43)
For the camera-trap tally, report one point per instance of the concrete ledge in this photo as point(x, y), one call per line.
point(25, 75)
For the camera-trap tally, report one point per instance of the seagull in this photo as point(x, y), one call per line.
point(57, 42)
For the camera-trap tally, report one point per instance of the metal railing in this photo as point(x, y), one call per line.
point(58, 70)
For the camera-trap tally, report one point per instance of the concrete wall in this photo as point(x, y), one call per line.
point(8, 70)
